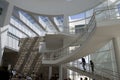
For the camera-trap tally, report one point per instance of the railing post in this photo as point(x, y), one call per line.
point(80, 40)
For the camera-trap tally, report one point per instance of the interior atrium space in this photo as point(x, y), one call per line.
point(59, 39)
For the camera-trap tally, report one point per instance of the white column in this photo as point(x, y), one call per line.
point(4, 21)
point(116, 44)
point(66, 30)
point(50, 72)
point(114, 65)
point(9, 14)
point(60, 73)
point(66, 24)
point(1, 52)
point(6, 13)
point(3, 40)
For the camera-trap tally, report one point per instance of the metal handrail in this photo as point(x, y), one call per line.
point(91, 74)
point(69, 43)
point(107, 72)
point(98, 70)
point(81, 38)
point(92, 24)
point(108, 13)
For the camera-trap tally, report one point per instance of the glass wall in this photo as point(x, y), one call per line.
point(59, 22)
point(17, 24)
point(78, 64)
point(48, 24)
point(104, 60)
point(16, 32)
point(12, 41)
point(83, 18)
point(26, 18)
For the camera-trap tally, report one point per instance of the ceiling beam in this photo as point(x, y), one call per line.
point(25, 24)
point(52, 21)
point(33, 17)
point(19, 29)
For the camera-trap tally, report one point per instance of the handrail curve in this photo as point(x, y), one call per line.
point(79, 41)
point(99, 71)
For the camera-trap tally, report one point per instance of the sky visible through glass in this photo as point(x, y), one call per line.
point(77, 16)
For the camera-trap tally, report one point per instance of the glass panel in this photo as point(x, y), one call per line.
point(89, 13)
point(104, 59)
point(20, 26)
point(46, 22)
point(58, 20)
point(30, 22)
point(16, 32)
point(12, 41)
point(78, 16)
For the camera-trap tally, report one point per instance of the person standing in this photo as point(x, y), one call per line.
point(81, 78)
point(83, 63)
point(86, 78)
point(92, 65)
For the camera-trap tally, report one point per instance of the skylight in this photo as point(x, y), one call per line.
point(46, 22)
point(77, 16)
point(58, 20)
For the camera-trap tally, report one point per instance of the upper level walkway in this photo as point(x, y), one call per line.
point(104, 31)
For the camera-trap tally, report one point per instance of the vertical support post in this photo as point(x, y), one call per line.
point(116, 44)
point(50, 72)
point(60, 73)
point(4, 21)
point(66, 24)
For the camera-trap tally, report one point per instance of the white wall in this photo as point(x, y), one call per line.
point(3, 40)
point(4, 6)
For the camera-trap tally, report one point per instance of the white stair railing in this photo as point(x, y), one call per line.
point(99, 72)
point(79, 41)
point(87, 72)
point(113, 75)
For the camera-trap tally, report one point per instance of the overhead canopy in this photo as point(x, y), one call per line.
point(55, 7)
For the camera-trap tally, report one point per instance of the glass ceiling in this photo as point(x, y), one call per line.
point(37, 25)
point(47, 23)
